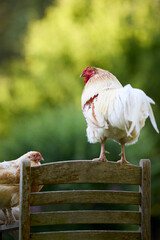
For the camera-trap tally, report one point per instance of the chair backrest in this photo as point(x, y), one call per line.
point(90, 172)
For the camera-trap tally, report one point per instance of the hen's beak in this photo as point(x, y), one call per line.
point(82, 75)
point(39, 159)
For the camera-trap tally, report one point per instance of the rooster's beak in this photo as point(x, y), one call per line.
point(41, 159)
point(82, 75)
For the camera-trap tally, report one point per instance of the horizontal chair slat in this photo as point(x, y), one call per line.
point(85, 196)
point(87, 235)
point(85, 171)
point(85, 217)
point(11, 227)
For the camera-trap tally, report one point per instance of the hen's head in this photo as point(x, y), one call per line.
point(88, 73)
point(33, 156)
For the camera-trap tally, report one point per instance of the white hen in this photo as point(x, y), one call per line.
point(9, 183)
point(113, 111)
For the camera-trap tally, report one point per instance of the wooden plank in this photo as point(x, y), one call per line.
point(87, 235)
point(24, 208)
point(85, 196)
point(85, 217)
point(85, 171)
point(145, 207)
point(11, 227)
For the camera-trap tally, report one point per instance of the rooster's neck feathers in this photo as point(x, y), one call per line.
point(100, 81)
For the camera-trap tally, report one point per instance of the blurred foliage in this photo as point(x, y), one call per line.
point(44, 47)
point(15, 17)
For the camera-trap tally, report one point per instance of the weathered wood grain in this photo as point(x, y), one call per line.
point(85, 171)
point(145, 207)
point(85, 217)
point(24, 208)
point(85, 196)
point(87, 235)
point(5, 228)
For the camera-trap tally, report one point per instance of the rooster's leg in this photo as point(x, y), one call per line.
point(11, 216)
point(122, 154)
point(102, 156)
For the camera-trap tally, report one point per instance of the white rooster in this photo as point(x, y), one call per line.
point(9, 183)
point(113, 111)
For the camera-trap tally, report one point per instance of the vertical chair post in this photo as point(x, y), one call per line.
point(24, 211)
point(145, 207)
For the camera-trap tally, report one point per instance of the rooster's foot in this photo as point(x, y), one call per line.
point(102, 158)
point(106, 152)
point(123, 161)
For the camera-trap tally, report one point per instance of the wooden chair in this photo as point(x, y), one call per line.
point(69, 172)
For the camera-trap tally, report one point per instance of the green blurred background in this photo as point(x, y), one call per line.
point(44, 47)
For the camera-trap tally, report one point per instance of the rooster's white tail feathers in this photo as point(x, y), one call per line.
point(127, 108)
point(137, 108)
